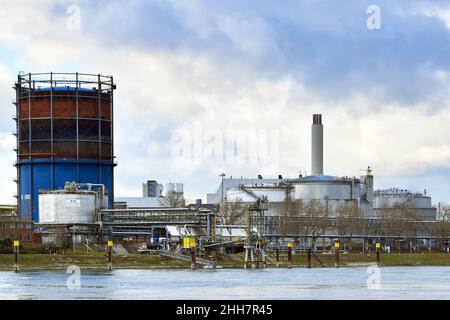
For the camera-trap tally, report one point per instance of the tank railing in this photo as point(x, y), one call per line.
point(36, 87)
point(90, 185)
point(396, 193)
point(79, 80)
point(54, 75)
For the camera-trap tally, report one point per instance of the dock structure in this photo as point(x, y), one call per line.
point(179, 256)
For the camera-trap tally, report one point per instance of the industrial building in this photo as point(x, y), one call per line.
point(152, 189)
point(65, 178)
point(153, 196)
point(329, 191)
point(64, 128)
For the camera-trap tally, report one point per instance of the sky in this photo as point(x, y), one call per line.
point(211, 87)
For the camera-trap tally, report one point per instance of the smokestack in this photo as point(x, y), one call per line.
point(317, 145)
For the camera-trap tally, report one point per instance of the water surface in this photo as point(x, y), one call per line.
point(316, 283)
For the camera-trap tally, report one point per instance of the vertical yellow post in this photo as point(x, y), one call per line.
point(336, 247)
point(378, 248)
point(290, 245)
point(16, 245)
point(110, 245)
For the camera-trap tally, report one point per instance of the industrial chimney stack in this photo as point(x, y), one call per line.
point(317, 145)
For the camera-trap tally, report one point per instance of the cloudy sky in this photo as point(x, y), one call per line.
point(205, 70)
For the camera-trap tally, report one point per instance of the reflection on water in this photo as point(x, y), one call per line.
point(317, 283)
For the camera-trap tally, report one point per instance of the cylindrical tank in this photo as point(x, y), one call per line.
point(64, 208)
point(64, 133)
point(326, 187)
point(387, 201)
point(173, 187)
point(273, 194)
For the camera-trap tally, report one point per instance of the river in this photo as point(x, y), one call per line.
point(298, 283)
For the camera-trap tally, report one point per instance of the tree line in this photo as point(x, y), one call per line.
point(399, 227)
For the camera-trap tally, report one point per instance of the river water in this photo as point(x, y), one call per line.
point(299, 283)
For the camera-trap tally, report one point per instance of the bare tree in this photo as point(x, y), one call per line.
point(400, 222)
point(290, 215)
point(442, 232)
point(173, 199)
point(348, 220)
point(315, 220)
point(232, 212)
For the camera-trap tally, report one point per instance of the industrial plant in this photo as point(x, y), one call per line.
point(65, 189)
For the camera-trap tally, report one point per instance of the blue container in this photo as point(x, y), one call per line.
point(52, 174)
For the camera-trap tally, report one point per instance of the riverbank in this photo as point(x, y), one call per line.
point(97, 261)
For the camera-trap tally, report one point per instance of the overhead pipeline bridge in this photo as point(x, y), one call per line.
point(143, 221)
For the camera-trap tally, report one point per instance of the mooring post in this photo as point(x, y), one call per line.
point(309, 257)
point(110, 245)
point(289, 252)
point(193, 260)
point(377, 248)
point(336, 247)
point(16, 244)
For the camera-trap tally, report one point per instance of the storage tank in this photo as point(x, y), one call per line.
point(71, 205)
point(273, 194)
point(64, 133)
point(394, 197)
point(64, 208)
point(173, 187)
point(326, 187)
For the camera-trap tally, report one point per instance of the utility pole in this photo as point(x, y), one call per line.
point(222, 175)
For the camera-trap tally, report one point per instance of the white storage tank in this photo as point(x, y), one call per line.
point(326, 187)
point(274, 194)
point(66, 208)
point(391, 200)
point(173, 187)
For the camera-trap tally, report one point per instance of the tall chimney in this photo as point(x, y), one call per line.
point(317, 145)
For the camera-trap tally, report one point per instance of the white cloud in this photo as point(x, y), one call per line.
point(440, 13)
point(160, 91)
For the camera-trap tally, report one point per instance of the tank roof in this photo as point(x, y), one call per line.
point(316, 178)
point(63, 88)
point(322, 178)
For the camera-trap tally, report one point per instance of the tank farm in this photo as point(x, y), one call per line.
point(65, 133)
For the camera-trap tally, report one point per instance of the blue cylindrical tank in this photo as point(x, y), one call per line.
point(64, 133)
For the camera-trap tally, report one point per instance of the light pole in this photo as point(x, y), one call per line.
point(221, 203)
point(222, 175)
